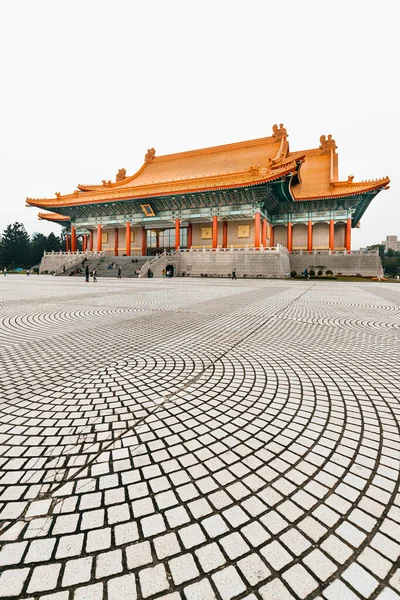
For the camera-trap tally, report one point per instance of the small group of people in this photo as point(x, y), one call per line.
point(306, 273)
point(111, 265)
point(88, 274)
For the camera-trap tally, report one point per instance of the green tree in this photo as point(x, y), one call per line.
point(38, 246)
point(15, 247)
point(53, 243)
point(381, 248)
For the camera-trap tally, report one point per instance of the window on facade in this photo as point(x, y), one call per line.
point(165, 238)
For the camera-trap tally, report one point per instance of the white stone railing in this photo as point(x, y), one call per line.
point(339, 252)
point(87, 253)
point(277, 248)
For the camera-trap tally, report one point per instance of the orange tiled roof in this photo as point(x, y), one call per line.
point(227, 166)
point(52, 217)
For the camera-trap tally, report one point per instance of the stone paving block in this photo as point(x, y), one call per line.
point(12, 582)
point(229, 583)
point(89, 592)
point(183, 568)
point(210, 557)
point(153, 580)
point(122, 588)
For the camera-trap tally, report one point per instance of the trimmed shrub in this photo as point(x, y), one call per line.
point(293, 273)
point(320, 273)
point(329, 272)
point(312, 273)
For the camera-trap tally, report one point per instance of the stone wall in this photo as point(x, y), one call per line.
point(368, 265)
point(252, 264)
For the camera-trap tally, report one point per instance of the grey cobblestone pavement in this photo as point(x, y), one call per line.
point(199, 440)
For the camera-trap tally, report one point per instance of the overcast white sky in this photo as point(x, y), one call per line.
point(88, 85)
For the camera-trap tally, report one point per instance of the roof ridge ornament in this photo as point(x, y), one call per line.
point(327, 144)
point(149, 156)
point(121, 175)
point(279, 132)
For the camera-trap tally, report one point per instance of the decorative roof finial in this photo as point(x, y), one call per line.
point(121, 175)
point(279, 132)
point(327, 144)
point(150, 154)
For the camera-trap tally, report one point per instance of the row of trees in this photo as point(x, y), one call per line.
point(18, 250)
point(390, 259)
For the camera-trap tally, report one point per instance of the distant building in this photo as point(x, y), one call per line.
point(391, 243)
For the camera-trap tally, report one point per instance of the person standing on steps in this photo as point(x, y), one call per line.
point(119, 273)
point(87, 273)
point(94, 275)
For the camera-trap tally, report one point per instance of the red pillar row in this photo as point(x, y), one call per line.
point(271, 236)
point(84, 243)
point(91, 240)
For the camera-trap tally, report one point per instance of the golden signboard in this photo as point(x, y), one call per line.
point(132, 236)
point(104, 237)
point(206, 233)
point(243, 231)
point(148, 211)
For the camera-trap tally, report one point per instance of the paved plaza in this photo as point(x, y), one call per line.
point(193, 439)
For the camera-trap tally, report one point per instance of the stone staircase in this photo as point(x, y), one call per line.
point(100, 264)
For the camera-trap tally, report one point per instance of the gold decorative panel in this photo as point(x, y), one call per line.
point(132, 236)
point(104, 237)
point(206, 233)
point(147, 210)
point(243, 231)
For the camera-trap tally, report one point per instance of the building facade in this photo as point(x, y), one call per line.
point(392, 243)
point(249, 194)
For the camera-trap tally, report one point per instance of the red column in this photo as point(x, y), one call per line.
point(67, 243)
point(264, 233)
point(214, 231)
point(289, 237)
point(189, 236)
point(128, 239)
point(116, 241)
point(144, 249)
point(91, 240)
point(347, 237)
point(84, 243)
point(99, 244)
point(177, 233)
point(257, 230)
point(331, 234)
point(225, 234)
point(73, 238)
point(309, 237)
point(271, 236)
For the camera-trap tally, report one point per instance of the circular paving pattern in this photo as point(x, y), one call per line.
point(199, 440)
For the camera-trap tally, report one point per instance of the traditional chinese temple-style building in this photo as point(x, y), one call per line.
point(253, 194)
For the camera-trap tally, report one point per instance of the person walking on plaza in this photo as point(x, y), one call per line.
point(119, 273)
point(234, 274)
point(5, 271)
point(94, 275)
point(305, 273)
point(87, 273)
